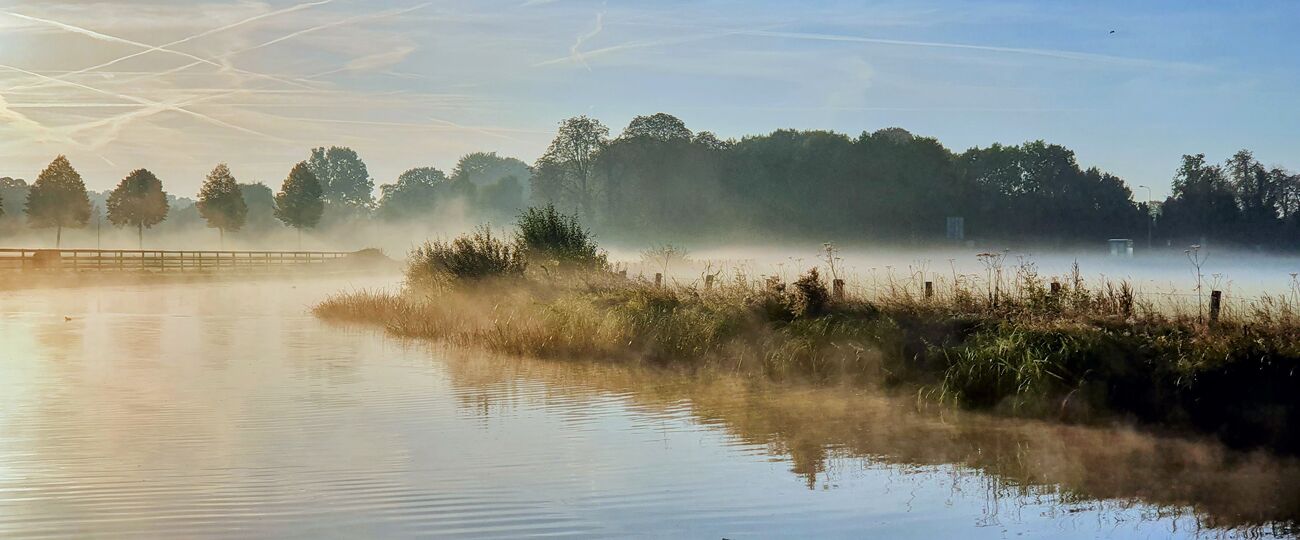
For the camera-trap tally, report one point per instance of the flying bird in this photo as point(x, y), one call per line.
point(1112, 31)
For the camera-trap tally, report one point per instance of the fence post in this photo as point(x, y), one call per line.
point(837, 289)
point(1216, 300)
point(659, 279)
point(708, 282)
point(929, 289)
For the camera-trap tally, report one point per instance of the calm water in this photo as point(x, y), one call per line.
point(227, 410)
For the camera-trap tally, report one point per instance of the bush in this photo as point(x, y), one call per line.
point(547, 236)
point(810, 296)
point(468, 258)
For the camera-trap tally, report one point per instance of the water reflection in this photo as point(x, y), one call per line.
point(826, 433)
point(225, 410)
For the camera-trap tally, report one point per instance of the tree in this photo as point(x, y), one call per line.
point(58, 199)
point(345, 183)
point(1202, 204)
point(260, 201)
point(484, 168)
point(417, 191)
point(299, 203)
point(221, 203)
point(138, 201)
point(659, 126)
point(503, 198)
point(566, 172)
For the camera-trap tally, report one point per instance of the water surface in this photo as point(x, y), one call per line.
point(227, 410)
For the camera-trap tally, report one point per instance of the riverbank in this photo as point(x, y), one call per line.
point(1080, 357)
point(1016, 343)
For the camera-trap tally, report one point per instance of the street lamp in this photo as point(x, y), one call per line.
point(1150, 216)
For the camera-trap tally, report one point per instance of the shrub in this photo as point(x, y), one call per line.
point(547, 236)
point(810, 296)
point(468, 258)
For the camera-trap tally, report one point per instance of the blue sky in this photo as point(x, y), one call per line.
point(178, 86)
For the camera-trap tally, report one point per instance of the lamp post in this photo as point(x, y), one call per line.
point(1150, 216)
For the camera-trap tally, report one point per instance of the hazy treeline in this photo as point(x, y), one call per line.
point(331, 190)
point(659, 181)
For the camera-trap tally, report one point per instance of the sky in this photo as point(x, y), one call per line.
point(177, 86)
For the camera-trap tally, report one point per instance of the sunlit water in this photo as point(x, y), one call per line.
point(227, 410)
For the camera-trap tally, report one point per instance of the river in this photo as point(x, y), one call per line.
point(226, 409)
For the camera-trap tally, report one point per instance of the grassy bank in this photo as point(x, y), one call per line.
point(1011, 345)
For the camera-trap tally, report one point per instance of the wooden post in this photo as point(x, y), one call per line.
point(1216, 300)
point(708, 282)
point(837, 290)
point(929, 289)
point(659, 279)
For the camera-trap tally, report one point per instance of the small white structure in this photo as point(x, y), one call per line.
point(1121, 247)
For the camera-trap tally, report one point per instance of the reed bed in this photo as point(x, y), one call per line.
point(1009, 341)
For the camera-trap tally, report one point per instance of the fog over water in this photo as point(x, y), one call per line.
point(226, 409)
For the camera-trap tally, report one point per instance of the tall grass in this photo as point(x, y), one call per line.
point(1014, 343)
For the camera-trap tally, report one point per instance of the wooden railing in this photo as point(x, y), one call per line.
point(158, 260)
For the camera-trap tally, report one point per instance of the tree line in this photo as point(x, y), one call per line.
point(331, 188)
point(658, 180)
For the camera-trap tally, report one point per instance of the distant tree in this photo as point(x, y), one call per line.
point(416, 193)
point(503, 198)
point(138, 201)
point(299, 204)
point(58, 199)
point(1202, 204)
point(659, 126)
point(260, 201)
point(566, 173)
point(483, 168)
point(221, 203)
point(708, 139)
point(346, 186)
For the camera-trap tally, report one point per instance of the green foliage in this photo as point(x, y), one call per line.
point(299, 204)
point(260, 203)
point(138, 201)
point(472, 257)
point(566, 173)
point(658, 126)
point(505, 197)
point(221, 201)
point(486, 168)
point(547, 236)
point(58, 198)
point(344, 180)
point(416, 194)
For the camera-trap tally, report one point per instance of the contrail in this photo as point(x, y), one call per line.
point(143, 101)
point(573, 51)
point(103, 37)
point(341, 22)
point(641, 45)
point(116, 123)
point(1050, 53)
point(160, 48)
point(228, 55)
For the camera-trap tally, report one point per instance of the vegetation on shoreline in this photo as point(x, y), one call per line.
point(1015, 344)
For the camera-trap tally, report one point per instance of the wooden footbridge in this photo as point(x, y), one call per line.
point(161, 260)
